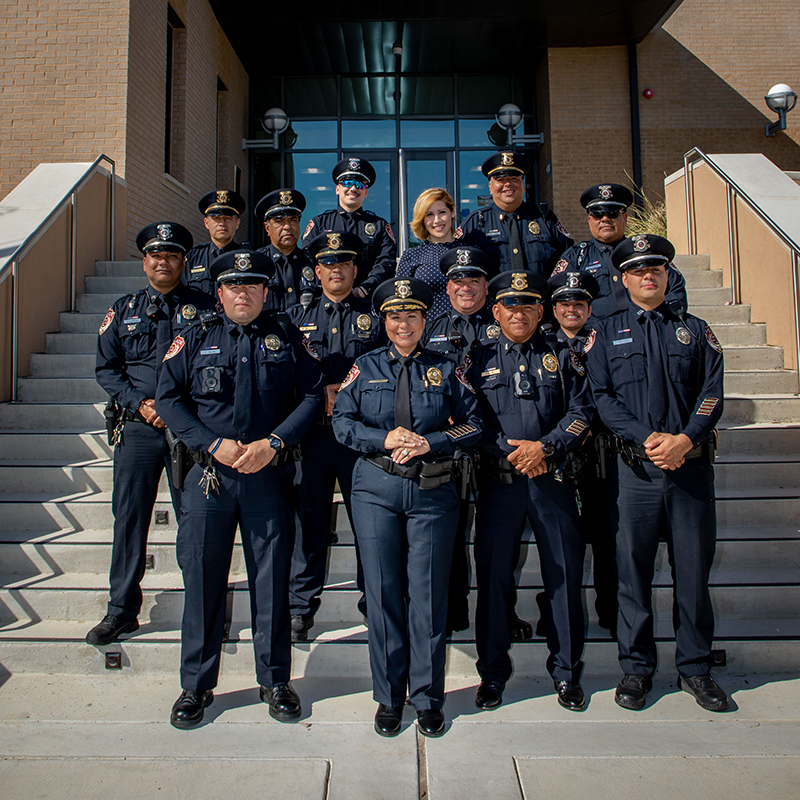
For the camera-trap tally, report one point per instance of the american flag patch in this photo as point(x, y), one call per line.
point(707, 406)
point(577, 427)
point(461, 430)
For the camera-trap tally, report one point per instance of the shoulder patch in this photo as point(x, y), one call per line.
point(712, 340)
point(561, 229)
point(309, 228)
point(109, 318)
point(576, 363)
point(561, 266)
point(177, 345)
point(590, 341)
point(350, 377)
point(389, 232)
point(461, 371)
point(310, 348)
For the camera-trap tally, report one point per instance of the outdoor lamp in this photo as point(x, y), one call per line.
point(275, 121)
point(780, 99)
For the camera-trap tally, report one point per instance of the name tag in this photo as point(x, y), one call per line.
point(210, 351)
point(382, 380)
point(442, 338)
point(201, 268)
point(622, 341)
point(308, 327)
point(131, 321)
point(489, 372)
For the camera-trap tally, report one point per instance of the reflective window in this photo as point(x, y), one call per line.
point(310, 97)
point(474, 187)
point(368, 133)
point(474, 132)
point(426, 95)
point(312, 135)
point(482, 94)
point(422, 175)
point(367, 96)
point(427, 133)
point(312, 177)
point(379, 198)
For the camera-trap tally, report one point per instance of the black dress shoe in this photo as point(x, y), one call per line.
point(388, 720)
point(431, 721)
point(521, 631)
point(189, 708)
point(570, 695)
point(283, 702)
point(489, 695)
point(301, 623)
point(704, 689)
point(632, 691)
point(109, 629)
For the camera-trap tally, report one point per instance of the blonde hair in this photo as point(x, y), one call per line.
point(424, 202)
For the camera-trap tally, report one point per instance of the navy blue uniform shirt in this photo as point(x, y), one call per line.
point(128, 358)
point(543, 237)
point(378, 260)
point(595, 258)
point(618, 373)
point(196, 391)
point(472, 329)
point(364, 410)
point(559, 407)
point(291, 279)
point(198, 262)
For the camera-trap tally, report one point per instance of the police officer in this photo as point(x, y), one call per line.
point(657, 381)
point(519, 235)
point(536, 407)
point(406, 411)
point(340, 327)
point(221, 210)
point(294, 280)
point(607, 208)
point(133, 340)
point(238, 390)
point(353, 177)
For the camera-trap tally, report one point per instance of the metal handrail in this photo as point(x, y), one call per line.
point(732, 190)
point(11, 267)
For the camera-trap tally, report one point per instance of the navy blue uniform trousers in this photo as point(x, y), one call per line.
point(551, 508)
point(406, 537)
point(138, 463)
point(260, 505)
point(678, 505)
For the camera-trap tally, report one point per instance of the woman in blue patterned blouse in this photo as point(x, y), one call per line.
point(434, 223)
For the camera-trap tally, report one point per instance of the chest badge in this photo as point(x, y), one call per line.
point(188, 311)
point(363, 322)
point(272, 342)
point(683, 336)
point(370, 229)
point(534, 228)
point(493, 331)
point(434, 376)
point(550, 363)
point(308, 274)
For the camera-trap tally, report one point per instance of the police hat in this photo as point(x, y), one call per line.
point(607, 197)
point(334, 247)
point(221, 201)
point(402, 294)
point(505, 163)
point(642, 250)
point(168, 236)
point(242, 266)
point(518, 288)
point(281, 203)
point(573, 286)
point(358, 169)
point(466, 262)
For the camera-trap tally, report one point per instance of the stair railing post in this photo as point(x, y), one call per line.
point(689, 203)
point(73, 258)
point(795, 281)
point(733, 245)
point(14, 328)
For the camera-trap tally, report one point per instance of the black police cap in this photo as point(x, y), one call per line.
point(169, 236)
point(242, 266)
point(334, 247)
point(280, 203)
point(506, 162)
point(607, 196)
point(518, 288)
point(355, 168)
point(642, 250)
point(402, 294)
point(222, 201)
point(573, 286)
point(467, 262)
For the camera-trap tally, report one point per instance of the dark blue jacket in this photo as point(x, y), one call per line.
point(198, 261)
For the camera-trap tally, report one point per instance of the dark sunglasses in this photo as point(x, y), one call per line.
point(350, 184)
point(601, 214)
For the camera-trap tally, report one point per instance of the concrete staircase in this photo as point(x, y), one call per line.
point(55, 534)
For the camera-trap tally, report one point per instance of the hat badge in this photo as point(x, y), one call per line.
point(507, 159)
point(354, 163)
point(286, 198)
point(573, 280)
point(164, 231)
point(402, 289)
point(334, 241)
point(462, 259)
point(640, 243)
point(222, 197)
point(519, 281)
point(242, 261)
point(605, 192)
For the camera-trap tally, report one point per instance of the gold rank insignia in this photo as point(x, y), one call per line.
point(534, 228)
point(507, 159)
point(640, 243)
point(519, 281)
point(550, 362)
point(369, 229)
point(334, 241)
point(242, 261)
point(286, 198)
point(272, 342)
point(493, 331)
point(402, 289)
point(683, 336)
point(434, 376)
point(363, 322)
point(188, 311)
point(222, 197)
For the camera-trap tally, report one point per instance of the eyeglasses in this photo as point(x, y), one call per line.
point(601, 214)
point(350, 184)
point(508, 178)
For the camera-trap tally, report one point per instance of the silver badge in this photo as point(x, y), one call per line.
point(573, 279)
point(164, 231)
point(308, 274)
point(462, 259)
point(605, 192)
point(493, 331)
point(369, 229)
point(354, 163)
point(188, 311)
point(402, 289)
point(683, 336)
point(640, 243)
point(272, 342)
point(242, 261)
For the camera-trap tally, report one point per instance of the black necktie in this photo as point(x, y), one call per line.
point(656, 389)
point(164, 331)
point(402, 396)
point(335, 328)
point(243, 399)
point(515, 242)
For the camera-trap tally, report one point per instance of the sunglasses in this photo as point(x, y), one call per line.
point(351, 184)
point(601, 214)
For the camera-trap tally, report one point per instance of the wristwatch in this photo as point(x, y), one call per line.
point(275, 443)
point(548, 448)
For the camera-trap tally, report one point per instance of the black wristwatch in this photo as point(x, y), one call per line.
point(275, 443)
point(548, 448)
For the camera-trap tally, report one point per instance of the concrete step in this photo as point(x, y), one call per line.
point(760, 381)
point(118, 269)
point(742, 409)
point(60, 390)
point(61, 449)
point(84, 323)
point(97, 303)
point(115, 285)
point(46, 365)
point(718, 295)
point(764, 441)
point(71, 343)
point(686, 263)
point(753, 357)
point(715, 313)
point(746, 476)
point(741, 334)
point(703, 278)
point(40, 417)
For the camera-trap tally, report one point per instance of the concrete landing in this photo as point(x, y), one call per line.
point(109, 736)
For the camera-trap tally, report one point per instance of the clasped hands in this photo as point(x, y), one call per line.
point(405, 445)
point(244, 458)
point(666, 450)
point(528, 458)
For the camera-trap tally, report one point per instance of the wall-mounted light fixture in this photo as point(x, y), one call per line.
point(509, 117)
point(275, 121)
point(780, 99)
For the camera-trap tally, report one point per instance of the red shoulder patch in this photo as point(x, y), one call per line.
point(712, 340)
point(309, 228)
point(461, 371)
point(310, 348)
point(389, 231)
point(458, 234)
point(350, 377)
point(177, 345)
point(590, 341)
point(560, 267)
point(561, 229)
point(109, 318)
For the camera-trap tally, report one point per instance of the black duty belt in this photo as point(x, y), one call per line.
point(629, 451)
point(326, 421)
point(429, 473)
point(497, 467)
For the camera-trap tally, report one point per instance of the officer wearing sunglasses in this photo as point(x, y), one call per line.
point(607, 208)
point(378, 262)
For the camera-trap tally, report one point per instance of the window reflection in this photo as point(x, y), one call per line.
point(312, 177)
point(474, 187)
point(427, 133)
point(369, 133)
